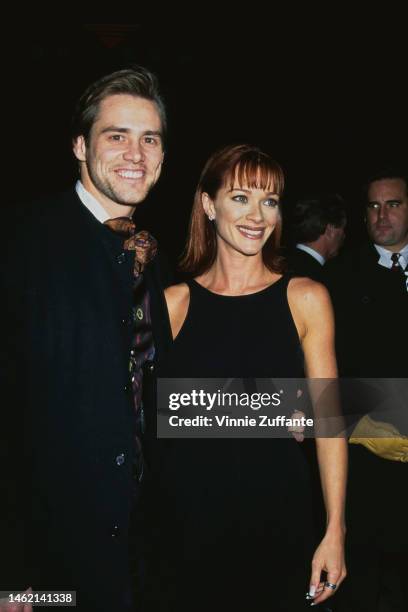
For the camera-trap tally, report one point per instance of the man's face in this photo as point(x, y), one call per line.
point(123, 155)
point(387, 213)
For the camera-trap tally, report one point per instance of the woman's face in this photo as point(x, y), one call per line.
point(244, 217)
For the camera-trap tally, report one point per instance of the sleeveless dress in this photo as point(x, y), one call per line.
point(232, 520)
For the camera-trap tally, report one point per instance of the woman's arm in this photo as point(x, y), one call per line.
point(312, 311)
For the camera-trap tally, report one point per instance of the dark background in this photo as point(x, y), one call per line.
point(326, 97)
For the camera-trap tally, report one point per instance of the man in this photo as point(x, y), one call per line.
point(81, 298)
point(370, 296)
point(369, 286)
point(318, 226)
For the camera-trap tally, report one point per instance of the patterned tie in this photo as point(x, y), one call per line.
point(142, 243)
point(396, 266)
point(145, 247)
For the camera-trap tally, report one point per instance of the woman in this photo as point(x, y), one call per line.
point(235, 526)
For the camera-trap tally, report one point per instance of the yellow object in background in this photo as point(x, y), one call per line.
point(382, 439)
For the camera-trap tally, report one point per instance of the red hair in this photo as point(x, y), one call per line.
point(249, 167)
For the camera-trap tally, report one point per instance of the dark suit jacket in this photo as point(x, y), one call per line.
point(371, 306)
point(69, 314)
point(301, 263)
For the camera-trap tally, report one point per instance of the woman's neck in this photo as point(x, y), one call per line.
point(237, 274)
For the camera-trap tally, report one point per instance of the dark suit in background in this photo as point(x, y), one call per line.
point(301, 263)
point(371, 306)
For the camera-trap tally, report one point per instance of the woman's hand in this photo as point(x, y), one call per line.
point(329, 558)
point(297, 430)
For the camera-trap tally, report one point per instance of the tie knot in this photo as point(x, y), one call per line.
point(396, 266)
point(143, 243)
point(122, 226)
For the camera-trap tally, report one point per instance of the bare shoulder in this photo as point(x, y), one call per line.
point(310, 304)
point(305, 292)
point(176, 293)
point(177, 299)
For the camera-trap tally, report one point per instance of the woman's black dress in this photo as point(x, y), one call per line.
point(231, 518)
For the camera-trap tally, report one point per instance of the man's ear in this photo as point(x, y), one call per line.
point(329, 230)
point(79, 148)
point(208, 206)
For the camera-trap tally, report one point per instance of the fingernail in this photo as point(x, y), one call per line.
point(312, 592)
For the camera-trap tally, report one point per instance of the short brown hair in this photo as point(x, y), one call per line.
point(392, 172)
point(250, 167)
point(312, 215)
point(136, 81)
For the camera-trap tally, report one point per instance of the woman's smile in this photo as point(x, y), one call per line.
point(253, 233)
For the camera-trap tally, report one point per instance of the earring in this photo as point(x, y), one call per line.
point(211, 217)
